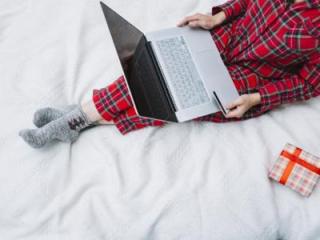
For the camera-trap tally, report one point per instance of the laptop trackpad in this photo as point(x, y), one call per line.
point(212, 69)
point(216, 75)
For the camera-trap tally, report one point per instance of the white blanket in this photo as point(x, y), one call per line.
point(184, 181)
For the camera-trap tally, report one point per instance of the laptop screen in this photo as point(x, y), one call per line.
point(125, 36)
point(144, 81)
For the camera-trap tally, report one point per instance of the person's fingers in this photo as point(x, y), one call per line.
point(236, 113)
point(182, 23)
point(233, 114)
point(194, 24)
point(205, 25)
point(236, 103)
point(188, 19)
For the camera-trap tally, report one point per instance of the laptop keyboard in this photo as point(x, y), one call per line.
point(184, 77)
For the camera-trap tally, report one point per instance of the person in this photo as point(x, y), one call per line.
point(271, 49)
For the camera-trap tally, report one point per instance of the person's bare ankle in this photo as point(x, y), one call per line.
point(90, 110)
point(105, 122)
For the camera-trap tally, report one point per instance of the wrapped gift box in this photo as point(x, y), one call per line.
point(297, 169)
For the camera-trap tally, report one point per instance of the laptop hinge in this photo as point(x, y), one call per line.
point(160, 76)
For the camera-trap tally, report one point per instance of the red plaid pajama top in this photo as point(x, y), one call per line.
point(269, 46)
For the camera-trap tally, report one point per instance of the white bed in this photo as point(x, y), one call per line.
point(184, 181)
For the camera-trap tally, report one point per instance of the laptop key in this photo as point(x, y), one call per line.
point(185, 78)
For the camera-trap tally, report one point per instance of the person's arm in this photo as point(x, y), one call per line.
point(303, 85)
point(298, 87)
point(231, 8)
point(220, 14)
point(203, 21)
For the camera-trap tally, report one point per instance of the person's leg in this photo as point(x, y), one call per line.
point(222, 36)
point(114, 103)
point(108, 105)
point(45, 115)
point(66, 128)
point(64, 125)
point(129, 121)
point(92, 113)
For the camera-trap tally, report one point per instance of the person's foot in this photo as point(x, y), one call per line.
point(66, 129)
point(45, 115)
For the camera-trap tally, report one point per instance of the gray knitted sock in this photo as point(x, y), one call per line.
point(66, 129)
point(45, 115)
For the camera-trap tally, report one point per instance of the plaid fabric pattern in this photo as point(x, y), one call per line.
point(269, 47)
point(114, 103)
point(274, 49)
point(299, 178)
point(112, 100)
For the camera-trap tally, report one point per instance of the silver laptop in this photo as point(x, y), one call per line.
point(174, 74)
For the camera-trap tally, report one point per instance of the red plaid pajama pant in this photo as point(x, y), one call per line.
point(114, 101)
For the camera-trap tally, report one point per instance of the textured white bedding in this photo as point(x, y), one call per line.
point(184, 181)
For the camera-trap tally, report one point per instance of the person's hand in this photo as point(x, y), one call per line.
point(241, 105)
point(203, 21)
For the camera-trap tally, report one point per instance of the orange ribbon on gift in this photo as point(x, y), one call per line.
point(295, 159)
